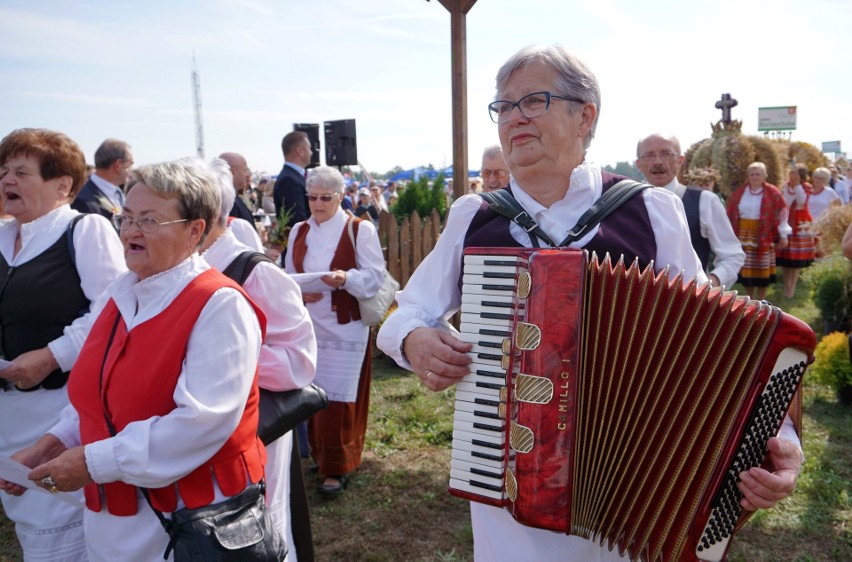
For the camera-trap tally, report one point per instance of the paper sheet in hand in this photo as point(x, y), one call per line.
point(4, 364)
point(312, 282)
point(13, 471)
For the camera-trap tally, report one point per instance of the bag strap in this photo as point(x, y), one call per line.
point(502, 203)
point(615, 197)
point(349, 229)
point(242, 266)
point(69, 238)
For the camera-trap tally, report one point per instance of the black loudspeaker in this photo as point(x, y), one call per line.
point(340, 146)
point(312, 130)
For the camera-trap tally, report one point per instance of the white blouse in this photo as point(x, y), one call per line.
point(288, 355)
point(225, 340)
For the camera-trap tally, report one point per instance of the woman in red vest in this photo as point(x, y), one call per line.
point(349, 249)
point(164, 391)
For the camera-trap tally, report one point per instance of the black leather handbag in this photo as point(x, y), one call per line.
point(235, 530)
point(279, 412)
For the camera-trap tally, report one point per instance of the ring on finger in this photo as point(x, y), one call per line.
point(50, 484)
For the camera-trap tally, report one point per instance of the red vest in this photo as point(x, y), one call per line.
point(344, 304)
point(146, 363)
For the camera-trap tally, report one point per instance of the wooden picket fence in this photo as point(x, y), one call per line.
point(406, 244)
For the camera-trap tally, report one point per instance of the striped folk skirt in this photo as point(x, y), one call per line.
point(759, 267)
point(800, 250)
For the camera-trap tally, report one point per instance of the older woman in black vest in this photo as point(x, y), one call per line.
point(53, 262)
point(347, 248)
point(546, 111)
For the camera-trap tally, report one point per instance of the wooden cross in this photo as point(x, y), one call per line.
point(725, 104)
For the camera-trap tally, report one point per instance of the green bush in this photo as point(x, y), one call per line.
point(419, 196)
point(831, 289)
point(832, 366)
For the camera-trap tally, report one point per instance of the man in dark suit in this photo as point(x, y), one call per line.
point(102, 192)
point(289, 191)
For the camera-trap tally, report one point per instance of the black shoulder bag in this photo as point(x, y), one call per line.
point(279, 411)
point(502, 203)
point(237, 529)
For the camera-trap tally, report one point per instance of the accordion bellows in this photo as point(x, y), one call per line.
point(610, 402)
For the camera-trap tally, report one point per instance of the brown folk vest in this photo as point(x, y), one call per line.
point(344, 304)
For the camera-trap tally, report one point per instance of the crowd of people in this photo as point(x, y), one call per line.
point(100, 405)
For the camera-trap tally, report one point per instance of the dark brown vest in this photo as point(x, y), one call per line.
point(344, 304)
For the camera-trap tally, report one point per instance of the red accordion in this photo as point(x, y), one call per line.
point(615, 404)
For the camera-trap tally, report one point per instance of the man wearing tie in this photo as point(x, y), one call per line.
point(102, 192)
point(289, 191)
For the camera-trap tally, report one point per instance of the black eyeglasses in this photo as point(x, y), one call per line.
point(531, 106)
point(323, 198)
point(145, 224)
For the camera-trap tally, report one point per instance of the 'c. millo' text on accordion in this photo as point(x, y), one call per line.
point(613, 403)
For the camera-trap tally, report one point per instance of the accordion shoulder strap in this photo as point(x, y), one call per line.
point(615, 197)
point(502, 203)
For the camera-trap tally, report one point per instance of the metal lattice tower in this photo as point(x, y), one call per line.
point(196, 103)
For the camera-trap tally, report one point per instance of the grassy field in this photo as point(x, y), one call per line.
point(397, 507)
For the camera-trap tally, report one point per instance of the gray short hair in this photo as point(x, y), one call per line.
point(225, 181)
point(670, 138)
point(193, 185)
point(326, 177)
point(493, 151)
point(109, 151)
point(573, 78)
point(824, 173)
point(758, 166)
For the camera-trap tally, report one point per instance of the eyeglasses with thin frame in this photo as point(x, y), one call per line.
point(664, 155)
point(145, 224)
point(531, 106)
point(323, 198)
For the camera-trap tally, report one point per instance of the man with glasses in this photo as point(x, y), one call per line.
point(494, 171)
point(546, 110)
point(102, 193)
point(659, 159)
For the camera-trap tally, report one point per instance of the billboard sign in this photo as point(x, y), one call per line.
point(831, 146)
point(776, 118)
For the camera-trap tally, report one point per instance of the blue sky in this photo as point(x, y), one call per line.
point(97, 69)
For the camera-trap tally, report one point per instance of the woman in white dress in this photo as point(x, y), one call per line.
point(349, 249)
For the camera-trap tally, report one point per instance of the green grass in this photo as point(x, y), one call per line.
point(397, 506)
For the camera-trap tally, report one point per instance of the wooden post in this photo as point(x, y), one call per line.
point(458, 37)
